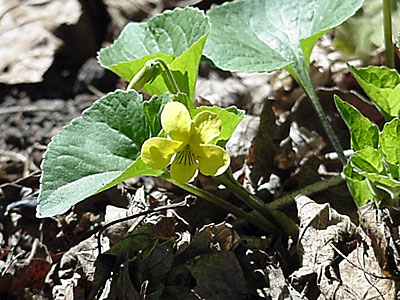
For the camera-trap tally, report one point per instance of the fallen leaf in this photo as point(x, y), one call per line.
point(320, 228)
point(31, 272)
point(218, 276)
point(123, 11)
point(265, 145)
point(383, 237)
point(362, 277)
point(27, 44)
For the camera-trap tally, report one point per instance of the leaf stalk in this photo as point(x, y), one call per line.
point(170, 77)
point(302, 75)
point(387, 30)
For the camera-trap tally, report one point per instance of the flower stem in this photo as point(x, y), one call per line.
point(387, 29)
point(170, 77)
point(256, 220)
point(253, 202)
point(231, 183)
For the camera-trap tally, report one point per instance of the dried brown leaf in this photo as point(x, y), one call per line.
point(27, 44)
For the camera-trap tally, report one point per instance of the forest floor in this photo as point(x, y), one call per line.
point(196, 251)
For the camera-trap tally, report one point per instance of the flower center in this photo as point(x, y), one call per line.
point(185, 157)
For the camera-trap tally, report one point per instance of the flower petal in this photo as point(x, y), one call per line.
point(184, 166)
point(176, 121)
point(157, 152)
point(206, 126)
point(213, 160)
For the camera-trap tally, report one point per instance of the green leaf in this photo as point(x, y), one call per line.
point(389, 142)
point(230, 118)
point(368, 163)
point(370, 168)
point(98, 150)
point(367, 160)
point(382, 85)
point(390, 185)
point(153, 110)
point(389, 147)
point(363, 132)
point(358, 186)
point(265, 35)
point(176, 36)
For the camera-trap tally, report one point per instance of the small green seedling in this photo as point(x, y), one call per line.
point(372, 172)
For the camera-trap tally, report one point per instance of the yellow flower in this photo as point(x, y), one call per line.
point(188, 144)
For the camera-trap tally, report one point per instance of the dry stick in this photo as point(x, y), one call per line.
point(30, 108)
point(143, 213)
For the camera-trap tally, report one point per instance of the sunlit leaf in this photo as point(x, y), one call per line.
point(265, 35)
point(176, 36)
point(98, 150)
point(382, 85)
point(363, 132)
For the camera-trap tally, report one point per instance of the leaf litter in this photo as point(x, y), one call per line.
point(198, 251)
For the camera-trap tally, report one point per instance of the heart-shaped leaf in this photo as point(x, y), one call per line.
point(382, 85)
point(265, 35)
point(363, 132)
point(98, 150)
point(176, 36)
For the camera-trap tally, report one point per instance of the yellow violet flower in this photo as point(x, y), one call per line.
point(188, 144)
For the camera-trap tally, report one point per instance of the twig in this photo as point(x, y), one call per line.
point(25, 159)
point(358, 267)
point(143, 213)
point(15, 155)
point(31, 108)
point(95, 91)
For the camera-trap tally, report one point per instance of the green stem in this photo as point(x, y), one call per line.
point(170, 76)
point(387, 29)
point(253, 202)
point(256, 220)
point(231, 183)
point(306, 191)
point(304, 79)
